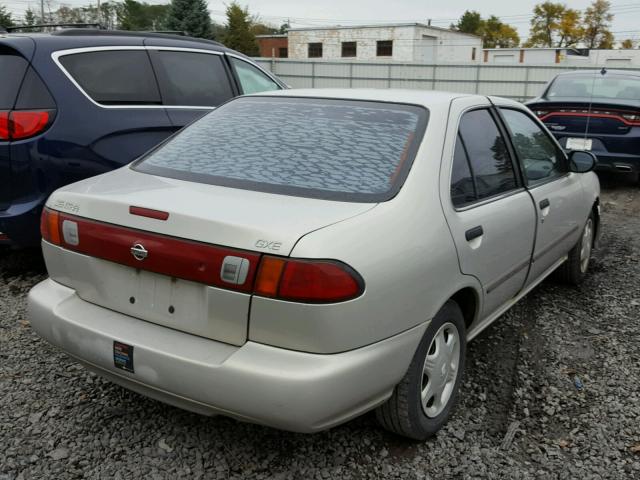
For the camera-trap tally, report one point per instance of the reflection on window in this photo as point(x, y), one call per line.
point(539, 155)
point(488, 156)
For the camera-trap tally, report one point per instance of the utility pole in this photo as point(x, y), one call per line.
point(42, 11)
point(98, 16)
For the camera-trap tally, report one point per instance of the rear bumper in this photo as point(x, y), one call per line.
point(617, 162)
point(21, 222)
point(258, 383)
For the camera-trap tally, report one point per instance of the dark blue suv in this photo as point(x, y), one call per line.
point(77, 103)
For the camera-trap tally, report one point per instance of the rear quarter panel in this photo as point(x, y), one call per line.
point(404, 252)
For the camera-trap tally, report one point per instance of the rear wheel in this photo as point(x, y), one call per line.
point(575, 268)
point(422, 402)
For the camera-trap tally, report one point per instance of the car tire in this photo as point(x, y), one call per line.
point(441, 351)
point(574, 270)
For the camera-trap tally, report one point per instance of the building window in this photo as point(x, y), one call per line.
point(349, 49)
point(384, 48)
point(283, 52)
point(315, 50)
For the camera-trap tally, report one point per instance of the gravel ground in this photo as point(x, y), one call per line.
point(552, 390)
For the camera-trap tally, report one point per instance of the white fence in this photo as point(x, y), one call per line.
point(520, 82)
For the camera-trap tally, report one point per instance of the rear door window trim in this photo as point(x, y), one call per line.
point(55, 56)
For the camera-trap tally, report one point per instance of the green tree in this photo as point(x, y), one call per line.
point(190, 16)
point(140, 16)
point(554, 25)
point(627, 44)
point(284, 27)
point(597, 21)
point(30, 17)
point(498, 34)
point(470, 22)
point(239, 35)
point(5, 17)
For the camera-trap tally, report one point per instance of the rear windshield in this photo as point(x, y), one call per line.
point(310, 147)
point(12, 69)
point(625, 87)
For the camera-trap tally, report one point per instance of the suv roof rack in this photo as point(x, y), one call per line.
point(86, 26)
point(80, 32)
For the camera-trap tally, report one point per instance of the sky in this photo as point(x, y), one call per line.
point(304, 13)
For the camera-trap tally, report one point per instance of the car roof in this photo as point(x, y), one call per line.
point(86, 37)
point(426, 98)
point(633, 73)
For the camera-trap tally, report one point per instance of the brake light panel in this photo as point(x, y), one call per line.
point(23, 124)
point(628, 118)
point(290, 279)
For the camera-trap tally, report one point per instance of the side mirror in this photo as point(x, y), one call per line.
point(581, 161)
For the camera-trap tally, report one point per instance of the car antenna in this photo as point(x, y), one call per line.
point(603, 72)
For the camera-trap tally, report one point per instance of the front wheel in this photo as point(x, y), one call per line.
point(422, 402)
point(574, 270)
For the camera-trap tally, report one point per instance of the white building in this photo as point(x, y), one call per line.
point(579, 57)
point(405, 42)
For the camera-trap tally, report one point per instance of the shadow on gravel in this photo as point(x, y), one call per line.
point(23, 262)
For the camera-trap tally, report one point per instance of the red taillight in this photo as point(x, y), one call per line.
point(21, 124)
point(295, 280)
point(309, 281)
point(4, 125)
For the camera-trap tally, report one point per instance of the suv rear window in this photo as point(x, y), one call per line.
point(114, 77)
point(310, 147)
point(13, 67)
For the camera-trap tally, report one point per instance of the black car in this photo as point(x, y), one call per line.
point(76, 103)
point(597, 110)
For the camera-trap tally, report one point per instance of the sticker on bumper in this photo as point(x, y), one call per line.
point(123, 356)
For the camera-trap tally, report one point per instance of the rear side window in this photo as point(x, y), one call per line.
point(12, 70)
point(251, 79)
point(34, 94)
point(320, 148)
point(488, 155)
point(463, 189)
point(192, 79)
point(114, 77)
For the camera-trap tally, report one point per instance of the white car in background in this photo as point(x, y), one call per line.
point(298, 258)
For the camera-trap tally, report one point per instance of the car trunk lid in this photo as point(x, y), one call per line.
point(180, 281)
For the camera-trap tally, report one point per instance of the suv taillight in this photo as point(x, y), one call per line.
point(290, 279)
point(22, 124)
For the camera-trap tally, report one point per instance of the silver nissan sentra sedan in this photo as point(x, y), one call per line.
point(298, 258)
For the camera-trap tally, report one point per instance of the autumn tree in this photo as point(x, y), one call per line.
point(627, 44)
point(597, 21)
point(498, 34)
point(239, 35)
point(554, 25)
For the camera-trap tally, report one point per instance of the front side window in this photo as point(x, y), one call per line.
point(251, 79)
point(539, 155)
point(114, 77)
point(315, 50)
point(192, 79)
point(489, 158)
point(384, 48)
point(349, 49)
point(320, 148)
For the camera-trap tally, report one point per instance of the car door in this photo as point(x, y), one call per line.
point(556, 192)
point(490, 214)
point(192, 82)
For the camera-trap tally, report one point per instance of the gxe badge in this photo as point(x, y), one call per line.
point(139, 252)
